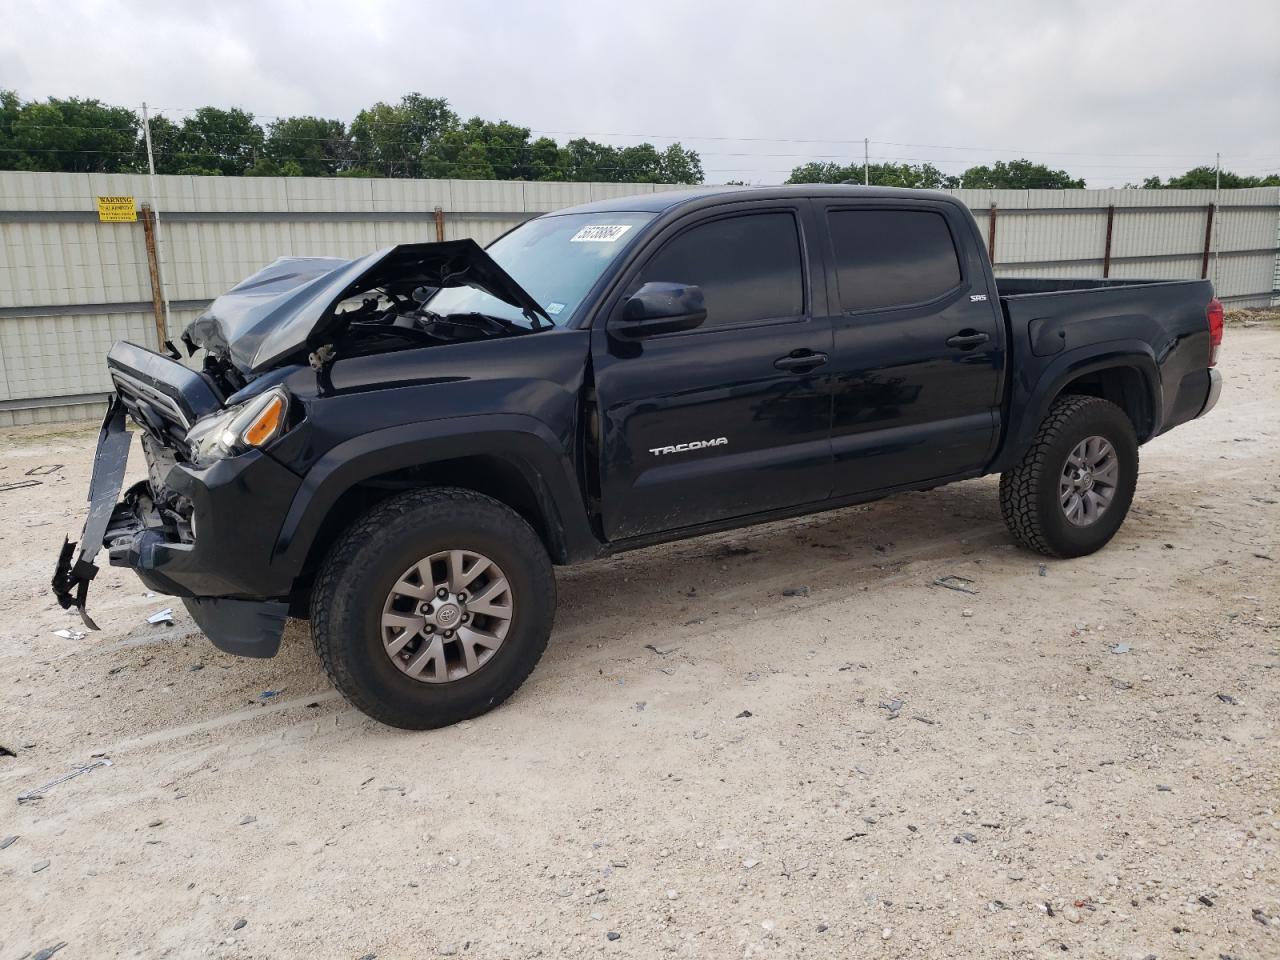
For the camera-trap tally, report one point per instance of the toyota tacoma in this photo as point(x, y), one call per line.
point(400, 447)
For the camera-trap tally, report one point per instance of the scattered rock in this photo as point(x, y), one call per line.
point(744, 714)
point(886, 933)
point(614, 935)
point(39, 865)
point(822, 928)
point(240, 924)
point(1227, 698)
point(47, 952)
point(1071, 913)
point(247, 819)
point(1163, 788)
point(966, 612)
point(796, 592)
point(447, 949)
point(1121, 648)
point(8, 841)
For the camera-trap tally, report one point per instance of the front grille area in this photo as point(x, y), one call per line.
point(158, 414)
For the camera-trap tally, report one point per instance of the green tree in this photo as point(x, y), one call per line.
point(10, 106)
point(680, 165)
point(1017, 175)
point(228, 141)
point(925, 176)
point(83, 136)
point(315, 147)
point(1206, 178)
point(403, 140)
point(545, 160)
point(166, 145)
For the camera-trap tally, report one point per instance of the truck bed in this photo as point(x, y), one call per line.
point(1158, 325)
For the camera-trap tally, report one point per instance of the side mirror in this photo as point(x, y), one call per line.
point(659, 308)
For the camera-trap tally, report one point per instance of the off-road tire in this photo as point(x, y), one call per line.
point(1029, 493)
point(361, 567)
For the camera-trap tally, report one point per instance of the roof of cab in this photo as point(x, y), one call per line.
point(698, 196)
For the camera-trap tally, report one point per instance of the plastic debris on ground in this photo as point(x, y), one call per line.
point(39, 792)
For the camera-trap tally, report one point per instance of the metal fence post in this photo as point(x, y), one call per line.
point(1208, 241)
point(991, 235)
point(153, 268)
point(1106, 253)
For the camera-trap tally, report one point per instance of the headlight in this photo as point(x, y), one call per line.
point(239, 428)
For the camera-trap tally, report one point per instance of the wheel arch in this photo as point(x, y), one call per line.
point(514, 459)
point(1126, 375)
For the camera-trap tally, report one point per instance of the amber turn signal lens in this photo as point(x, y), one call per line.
point(265, 424)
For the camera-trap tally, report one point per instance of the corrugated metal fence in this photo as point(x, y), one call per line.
point(70, 285)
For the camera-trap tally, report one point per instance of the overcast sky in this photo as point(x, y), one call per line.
point(1108, 90)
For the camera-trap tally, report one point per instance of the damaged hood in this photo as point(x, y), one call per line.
point(287, 309)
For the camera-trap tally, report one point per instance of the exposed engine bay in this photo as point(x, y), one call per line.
point(321, 308)
point(391, 318)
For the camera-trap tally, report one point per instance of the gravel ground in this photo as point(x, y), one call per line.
point(783, 742)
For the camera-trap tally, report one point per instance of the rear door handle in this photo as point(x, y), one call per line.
point(800, 360)
point(967, 339)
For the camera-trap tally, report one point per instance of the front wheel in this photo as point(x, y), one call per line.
point(1072, 489)
point(433, 608)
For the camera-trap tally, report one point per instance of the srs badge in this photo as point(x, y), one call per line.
point(691, 445)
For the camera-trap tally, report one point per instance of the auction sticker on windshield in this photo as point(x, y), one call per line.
point(600, 233)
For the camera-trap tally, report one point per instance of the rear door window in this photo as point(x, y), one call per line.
point(892, 258)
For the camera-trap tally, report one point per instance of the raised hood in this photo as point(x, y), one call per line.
point(286, 310)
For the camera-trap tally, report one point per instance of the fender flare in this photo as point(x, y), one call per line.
point(523, 440)
point(1025, 418)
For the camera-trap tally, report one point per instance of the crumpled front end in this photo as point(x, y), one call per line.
point(179, 529)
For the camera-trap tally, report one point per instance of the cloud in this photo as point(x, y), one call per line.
point(1111, 91)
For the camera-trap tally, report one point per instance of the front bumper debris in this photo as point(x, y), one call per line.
point(224, 575)
point(75, 567)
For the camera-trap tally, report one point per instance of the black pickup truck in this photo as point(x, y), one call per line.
point(400, 447)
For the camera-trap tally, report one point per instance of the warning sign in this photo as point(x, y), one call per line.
point(117, 210)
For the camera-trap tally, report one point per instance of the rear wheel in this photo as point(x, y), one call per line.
point(433, 608)
point(1072, 489)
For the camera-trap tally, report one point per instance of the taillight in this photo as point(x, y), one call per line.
point(1214, 314)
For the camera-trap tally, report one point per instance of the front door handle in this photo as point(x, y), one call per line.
point(800, 360)
point(967, 339)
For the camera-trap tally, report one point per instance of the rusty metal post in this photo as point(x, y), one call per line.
point(1106, 253)
point(1208, 241)
point(153, 267)
point(991, 235)
point(439, 224)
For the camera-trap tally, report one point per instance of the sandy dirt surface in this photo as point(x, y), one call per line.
point(783, 742)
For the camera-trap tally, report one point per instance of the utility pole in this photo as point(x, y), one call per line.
point(866, 162)
point(155, 213)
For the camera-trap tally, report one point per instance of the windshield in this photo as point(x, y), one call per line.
point(555, 259)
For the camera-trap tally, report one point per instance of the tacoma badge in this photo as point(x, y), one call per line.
point(691, 445)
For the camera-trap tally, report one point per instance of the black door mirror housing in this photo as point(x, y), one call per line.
point(659, 308)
